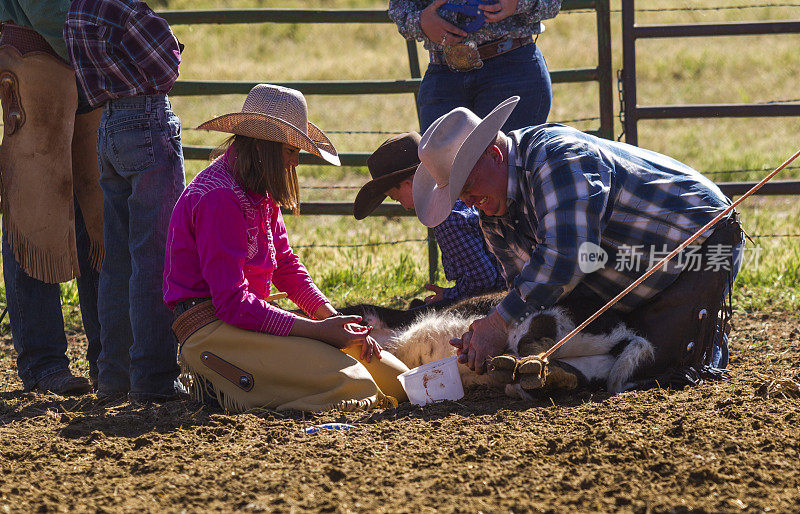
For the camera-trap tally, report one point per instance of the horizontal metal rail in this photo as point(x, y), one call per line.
point(344, 87)
point(758, 28)
point(202, 153)
point(657, 112)
point(226, 16)
point(781, 187)
point(270, 15)
point(776, 187)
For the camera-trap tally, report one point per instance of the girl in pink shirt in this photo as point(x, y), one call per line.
point(227, 244)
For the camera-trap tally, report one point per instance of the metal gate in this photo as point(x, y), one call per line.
point(601, 74)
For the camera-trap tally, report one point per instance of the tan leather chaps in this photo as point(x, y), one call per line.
point(48, 155)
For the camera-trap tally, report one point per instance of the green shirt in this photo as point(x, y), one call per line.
point(44, 16)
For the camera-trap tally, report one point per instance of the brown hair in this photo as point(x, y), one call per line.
point(259, 168)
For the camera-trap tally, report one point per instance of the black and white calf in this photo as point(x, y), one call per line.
point(608, 358)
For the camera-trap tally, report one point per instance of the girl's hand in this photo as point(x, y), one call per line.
point(340, 332)
point(437, 29)
point(343, 332)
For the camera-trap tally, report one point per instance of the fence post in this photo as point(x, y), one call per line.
point(629, 72)
point(433, 249)
point(604, 73)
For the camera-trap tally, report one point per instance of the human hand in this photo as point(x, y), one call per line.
point(437, 29)
point(499, 11)
point(370, 348)
point(439, 293)
point(487, 337)
point(343, 332)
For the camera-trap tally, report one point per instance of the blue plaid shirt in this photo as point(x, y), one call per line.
point(465, 256)
point(568, 191)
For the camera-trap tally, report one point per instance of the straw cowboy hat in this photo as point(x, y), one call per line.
point(393, 162)
point(449, 149)
point(276, 113)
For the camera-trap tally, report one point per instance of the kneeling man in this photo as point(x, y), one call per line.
point(573, 220)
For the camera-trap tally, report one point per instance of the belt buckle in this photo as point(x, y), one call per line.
point(463, 57)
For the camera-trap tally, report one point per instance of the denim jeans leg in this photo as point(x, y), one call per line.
point(116, 336)
point(156, 189)
point(522, 72)
point(37, 324)
point(88, 284)
point(440, 91)
point(142, 145)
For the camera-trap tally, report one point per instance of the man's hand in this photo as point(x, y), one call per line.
point(439, 30)
point(439, 293)
point(487, 337)
point(499, 11)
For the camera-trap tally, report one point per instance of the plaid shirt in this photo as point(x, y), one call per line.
point(567, 189)
point(120, 48)
point(465, 257)
point(524, 22)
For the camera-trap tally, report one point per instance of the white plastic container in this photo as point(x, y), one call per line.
point(433, 382)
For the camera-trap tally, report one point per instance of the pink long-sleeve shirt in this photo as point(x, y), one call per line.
point(231, 245)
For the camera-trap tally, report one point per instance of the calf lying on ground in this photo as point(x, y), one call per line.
point(607, 358)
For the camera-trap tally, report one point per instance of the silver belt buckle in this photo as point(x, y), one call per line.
point(463, 57)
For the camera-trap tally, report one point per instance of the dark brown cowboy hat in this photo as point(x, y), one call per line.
point(393, 162)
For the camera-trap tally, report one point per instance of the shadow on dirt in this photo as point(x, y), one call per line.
point(82, 416)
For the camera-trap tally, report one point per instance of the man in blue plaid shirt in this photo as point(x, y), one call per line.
point(559, 208)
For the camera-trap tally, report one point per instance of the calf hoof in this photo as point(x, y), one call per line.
point(532, 372)
point(501, 369)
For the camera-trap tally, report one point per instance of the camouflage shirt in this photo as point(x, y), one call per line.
point(524, 22)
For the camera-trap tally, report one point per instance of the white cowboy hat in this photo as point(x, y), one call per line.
point(448, 151)
point(276, 113)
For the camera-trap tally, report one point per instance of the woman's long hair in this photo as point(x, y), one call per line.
point(259, 168)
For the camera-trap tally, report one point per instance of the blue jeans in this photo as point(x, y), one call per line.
point(522, 72)
point(141, 174)
point(37, 324)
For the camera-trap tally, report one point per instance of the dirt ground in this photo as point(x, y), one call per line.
point(724, 446)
